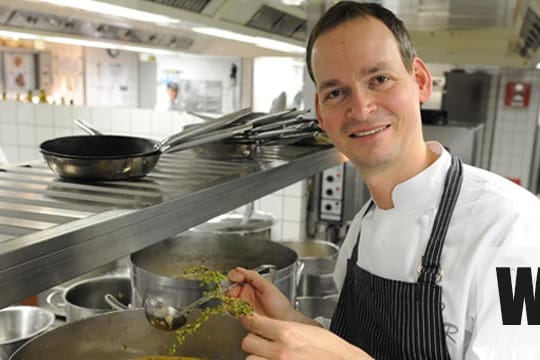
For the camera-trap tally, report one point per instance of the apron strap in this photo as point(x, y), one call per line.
point(430, 267)
point(354, 255)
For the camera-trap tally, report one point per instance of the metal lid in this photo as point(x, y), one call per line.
point(237, 224)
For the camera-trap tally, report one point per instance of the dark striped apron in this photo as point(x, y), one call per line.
point(392, 319)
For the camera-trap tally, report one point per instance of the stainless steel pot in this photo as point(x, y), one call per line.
point(124, 335)
point(157, 269)
point(319, 260)
point(86, 298)
point(255, 225)
point(317, 306)
point(18, 324)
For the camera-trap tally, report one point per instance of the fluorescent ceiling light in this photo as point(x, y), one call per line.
point(83, 42)
point(224, 34)
point(278, 45)
point(18, 35)
point(255, 40)
point(114, 10)
point(538, 65)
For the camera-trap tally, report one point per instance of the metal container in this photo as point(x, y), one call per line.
point(157, 270)
point(128, 335)
point(317, 306)
point(319, 260)
point(256, 225)
point(87, 297)
point(51, 297)
point(18, 324)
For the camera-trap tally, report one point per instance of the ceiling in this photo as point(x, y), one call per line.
point(489, 32)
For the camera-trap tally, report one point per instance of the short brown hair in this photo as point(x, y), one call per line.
point(344, 11)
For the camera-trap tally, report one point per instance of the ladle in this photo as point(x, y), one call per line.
point(170, 318)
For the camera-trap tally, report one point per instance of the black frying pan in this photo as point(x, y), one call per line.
point(111, 157)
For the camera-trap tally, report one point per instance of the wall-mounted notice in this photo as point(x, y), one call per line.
point(19, 71)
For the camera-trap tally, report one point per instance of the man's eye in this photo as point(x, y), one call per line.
point(333, 94)
point(381, 79)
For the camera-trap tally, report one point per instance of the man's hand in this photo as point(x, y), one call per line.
point(276, 340)
point(264, 296)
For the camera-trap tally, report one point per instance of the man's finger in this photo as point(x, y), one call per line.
point(257, 346)
point(261, 325)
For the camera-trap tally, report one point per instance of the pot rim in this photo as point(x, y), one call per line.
point(50, 319)
point(321, 242)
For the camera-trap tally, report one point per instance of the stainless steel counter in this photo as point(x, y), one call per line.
point(52, 231)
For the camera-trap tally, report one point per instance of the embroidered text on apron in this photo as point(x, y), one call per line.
point(392, 319)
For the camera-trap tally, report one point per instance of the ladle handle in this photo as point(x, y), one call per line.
point(114, 303)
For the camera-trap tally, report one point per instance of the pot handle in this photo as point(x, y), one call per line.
point(52, 302)
point(299, 271)
point(267, 271)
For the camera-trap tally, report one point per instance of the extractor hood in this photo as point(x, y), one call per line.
point(271, 21)
point(484, 32)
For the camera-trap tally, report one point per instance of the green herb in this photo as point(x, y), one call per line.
point(228, 305)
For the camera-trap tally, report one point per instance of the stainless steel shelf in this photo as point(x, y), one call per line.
point(52, 231)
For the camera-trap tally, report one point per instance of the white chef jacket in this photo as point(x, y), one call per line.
point(490, 212)
point(3, 159)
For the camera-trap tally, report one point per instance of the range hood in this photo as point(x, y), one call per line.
point(486, 32)
point(268, 20)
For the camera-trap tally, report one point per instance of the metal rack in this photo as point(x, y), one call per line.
point(52, 231)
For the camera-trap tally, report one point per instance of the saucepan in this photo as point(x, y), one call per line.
point(114, 157)
point(87, 297)
point(127, 335)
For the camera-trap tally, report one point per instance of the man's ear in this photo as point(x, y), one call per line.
point(423, 79)
point(318, 112)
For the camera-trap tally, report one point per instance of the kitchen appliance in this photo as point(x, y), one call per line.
point(335, 196)
point(463, 140)
point(127, 335)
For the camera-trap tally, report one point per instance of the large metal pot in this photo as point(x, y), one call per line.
point(319, 260)
point(87, 297)
point(317, 306)
point(18, 324)
point(127, 335)
point(251, 225)
point(157, 269)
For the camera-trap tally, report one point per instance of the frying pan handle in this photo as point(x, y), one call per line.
point(203, 129)
point(86, 127)
point(205, 139)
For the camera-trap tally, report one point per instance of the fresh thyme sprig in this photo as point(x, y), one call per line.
point(228, 305)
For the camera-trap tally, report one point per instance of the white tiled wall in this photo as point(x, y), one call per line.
point(515, 127)
point(24, 126)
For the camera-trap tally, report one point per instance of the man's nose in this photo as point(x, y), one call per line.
point(362, 103)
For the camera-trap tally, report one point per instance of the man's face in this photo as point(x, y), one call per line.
point(366, 101)
point(172, 93)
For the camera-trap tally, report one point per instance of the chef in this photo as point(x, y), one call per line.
point(3, 159)
point(408, 269)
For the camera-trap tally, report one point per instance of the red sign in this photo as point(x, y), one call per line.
point(517, 94)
